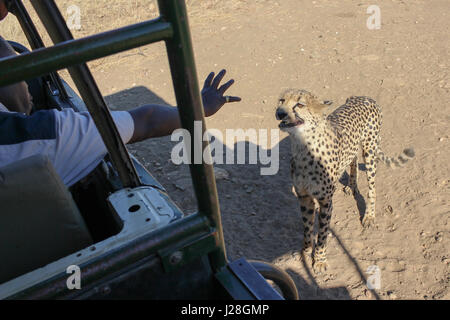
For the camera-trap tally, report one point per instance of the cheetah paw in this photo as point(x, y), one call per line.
point(306, 254)
point(368, 221)
point(320, 267)
point(349, 191)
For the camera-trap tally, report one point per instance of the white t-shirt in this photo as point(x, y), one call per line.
point(70, 139)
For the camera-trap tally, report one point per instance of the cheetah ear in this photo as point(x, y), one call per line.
point(317, 105)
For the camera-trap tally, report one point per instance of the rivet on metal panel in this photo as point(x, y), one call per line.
point(176, 257)
point(106, 290)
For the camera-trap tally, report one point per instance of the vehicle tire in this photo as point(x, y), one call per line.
point(280, 277)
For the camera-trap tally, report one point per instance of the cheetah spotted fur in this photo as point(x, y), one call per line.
point(322, 148)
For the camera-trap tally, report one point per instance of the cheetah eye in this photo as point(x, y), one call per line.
point(298, 105)
point(281, 101)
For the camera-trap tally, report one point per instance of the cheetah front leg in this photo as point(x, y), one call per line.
point(320, 263)
point(307, 210)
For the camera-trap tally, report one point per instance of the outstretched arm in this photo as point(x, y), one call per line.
point(152, 121)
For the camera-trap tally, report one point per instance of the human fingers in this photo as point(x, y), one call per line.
point(216, 81)
point(226, 86)
point(229, 99)
point(208, 80)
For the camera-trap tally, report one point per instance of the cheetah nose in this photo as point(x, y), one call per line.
point(281, 114)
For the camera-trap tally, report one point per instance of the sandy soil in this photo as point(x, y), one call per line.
point(323, 46)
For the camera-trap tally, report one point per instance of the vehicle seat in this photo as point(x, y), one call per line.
point(39, 220)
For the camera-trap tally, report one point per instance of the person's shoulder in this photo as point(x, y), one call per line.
point(17, 127)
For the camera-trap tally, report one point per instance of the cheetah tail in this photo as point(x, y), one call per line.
point(399, 161)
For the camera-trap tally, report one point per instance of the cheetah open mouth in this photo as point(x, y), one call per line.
point(285, 124)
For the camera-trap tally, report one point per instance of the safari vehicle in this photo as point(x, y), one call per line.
point(121, 232)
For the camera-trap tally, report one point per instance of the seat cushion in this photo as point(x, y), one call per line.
point(39, 221)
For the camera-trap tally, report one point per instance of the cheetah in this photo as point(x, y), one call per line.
point(322, 148)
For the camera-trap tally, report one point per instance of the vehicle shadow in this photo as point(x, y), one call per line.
point(354, 262)
point(312, 291)
point(133, 97)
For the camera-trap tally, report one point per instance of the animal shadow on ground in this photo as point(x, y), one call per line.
point(360, 201)
point(312, 291)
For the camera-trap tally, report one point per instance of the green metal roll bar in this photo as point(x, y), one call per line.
point(171, 27)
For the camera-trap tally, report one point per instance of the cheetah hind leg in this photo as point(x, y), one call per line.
point(352, 187)
point(371, 166)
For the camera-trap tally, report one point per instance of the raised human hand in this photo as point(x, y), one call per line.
point(213, 95)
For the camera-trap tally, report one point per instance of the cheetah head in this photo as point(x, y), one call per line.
point(299, 109)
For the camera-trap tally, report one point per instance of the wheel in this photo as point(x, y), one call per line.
point(280, 277)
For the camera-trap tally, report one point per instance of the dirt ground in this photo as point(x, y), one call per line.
point(323, 46)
